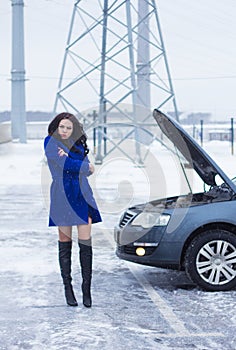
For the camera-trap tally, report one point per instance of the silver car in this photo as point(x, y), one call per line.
point(194, 230)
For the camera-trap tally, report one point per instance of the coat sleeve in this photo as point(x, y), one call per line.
point(66, 163)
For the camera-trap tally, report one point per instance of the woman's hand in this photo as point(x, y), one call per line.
point(61, 152)
point(91, 168)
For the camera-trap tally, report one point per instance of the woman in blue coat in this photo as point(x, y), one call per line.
point(71, 198)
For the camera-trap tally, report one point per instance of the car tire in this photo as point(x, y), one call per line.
point(210, 260)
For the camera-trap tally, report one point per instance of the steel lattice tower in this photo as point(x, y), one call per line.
point(115, 59)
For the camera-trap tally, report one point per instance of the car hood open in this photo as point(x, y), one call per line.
point(201, 162)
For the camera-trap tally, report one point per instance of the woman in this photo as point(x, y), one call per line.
point(72, 202)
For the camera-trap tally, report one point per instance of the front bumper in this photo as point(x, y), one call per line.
point(130, 238)
point(158, 253)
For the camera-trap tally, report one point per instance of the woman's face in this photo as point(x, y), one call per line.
point(65, 129)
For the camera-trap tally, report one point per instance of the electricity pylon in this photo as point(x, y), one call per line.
point(115, 59)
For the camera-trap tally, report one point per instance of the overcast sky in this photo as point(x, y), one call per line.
point(199, 38)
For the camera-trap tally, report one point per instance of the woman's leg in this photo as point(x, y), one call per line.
point(86, 254)
point(65, 233)
point(64, 249)
point(84, 231)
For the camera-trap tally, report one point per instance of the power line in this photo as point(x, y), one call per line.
point(42, 77)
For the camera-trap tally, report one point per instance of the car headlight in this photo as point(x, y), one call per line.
point(148, 220)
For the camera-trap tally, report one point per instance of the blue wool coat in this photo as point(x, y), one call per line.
point(71, 197)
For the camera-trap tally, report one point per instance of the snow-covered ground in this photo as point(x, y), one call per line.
point(134, 307)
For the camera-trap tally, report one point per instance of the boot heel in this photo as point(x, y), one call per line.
point(87, 300)
point(70, 297)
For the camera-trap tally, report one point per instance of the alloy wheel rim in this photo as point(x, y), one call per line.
point(216, 262)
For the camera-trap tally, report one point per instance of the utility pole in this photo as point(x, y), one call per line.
point(18, 113)
point(143, 56)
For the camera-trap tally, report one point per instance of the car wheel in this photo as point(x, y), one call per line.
point(210, 260)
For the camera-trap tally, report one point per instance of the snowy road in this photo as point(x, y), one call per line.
point(134, 307)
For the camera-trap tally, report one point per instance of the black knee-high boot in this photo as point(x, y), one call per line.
point(86, 256)
point(64, 249)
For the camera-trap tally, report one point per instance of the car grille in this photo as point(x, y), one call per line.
point(128, 215)
point(127, 249)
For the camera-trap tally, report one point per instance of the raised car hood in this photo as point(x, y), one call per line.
point(201, 162)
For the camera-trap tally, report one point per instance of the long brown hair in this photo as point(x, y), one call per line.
point(78, 135)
